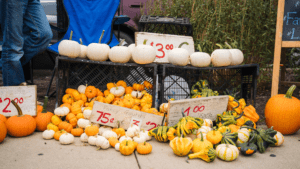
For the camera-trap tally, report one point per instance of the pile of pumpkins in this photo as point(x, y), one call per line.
point(234, 132)
point(146, 54)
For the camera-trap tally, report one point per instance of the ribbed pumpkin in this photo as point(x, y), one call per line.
point(181, 146)
point(283, 112)
point(20, 125)
point(65, 126)
point(201, 144)
point(3, 131)
point(42, 119)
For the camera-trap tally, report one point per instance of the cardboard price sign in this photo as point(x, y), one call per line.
point(205, 108)
point(109, 115)
point(24, 96)
point(164, 43)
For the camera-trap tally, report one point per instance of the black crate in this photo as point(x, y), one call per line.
point(74, 72)
point(176, 81)
point(165, 25)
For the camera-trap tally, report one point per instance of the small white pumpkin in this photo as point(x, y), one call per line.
point(81, 89)
point(227, 152)
point(83, 123)
point(136, 94)
point(98, 51)
point(125, 138)
point(61, 111)
point(117, 91)
point(179, 56)
point(200, 136)
point(69, 47)
point(83, 50)
point(117, 147)
point(102, 129)
point(66, 138)
point(131, 48)
point(279, 138)
point(237, 56)
point(87, 114)
point(119, 54)
point(84, 138)
point(163, 108)
point(139, 138)
point(48, 134)
point(109, 133)
point(204, 129)
point(144, 54)
point(102, 142)
point(207, 122)
point(133, 130)
point(243, 136)
point(200, 59)
point(145, 134)
point(221, 57)
point(92, 140)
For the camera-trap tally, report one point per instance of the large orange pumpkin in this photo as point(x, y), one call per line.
point(283, 112)
point(3, 131)
point(20, 125)
point(3, 118)
point(43, 118)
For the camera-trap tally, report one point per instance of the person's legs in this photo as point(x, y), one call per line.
point(12, 12)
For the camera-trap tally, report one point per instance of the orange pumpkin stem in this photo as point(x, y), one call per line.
point(289, 93)
point(20, 113)
point(45, 105)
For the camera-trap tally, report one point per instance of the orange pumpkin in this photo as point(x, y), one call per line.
point(148, 85)
point(77, 132)
point(109, 98)
point(69, 91)
point(83, 97)
point(119, 131)
point(129, 102)
point(3, 118)
point(283, 112)
point(75, 109)
point(65, 126)
point(110, 85)
point(106, 93)
point(76, 95)
point(73, 121)
point(80, 116)
point(3, 131)
point(42, 119)
point(146, 101)
point(138, 87)
point(136, 107)
point(15, 124)
point(100, 99)
point(79, 102)
point(67, 98)
point(39, 109)
point(58, 134)
point(250, 112)
point(122, 83)
point(234, 128)
point(119, 103)
point(113, 141)
point(70, 116)
point(66, 105)
point(91, 130)
point(128, 90)
point(99, 93)
point(90, 92)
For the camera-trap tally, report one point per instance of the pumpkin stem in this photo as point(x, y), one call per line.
point(71, 34)
point(101, 36)
point(20, 113)
point(80, 41)
point(228, 45)
point(122, 41)
point(45, 104)
point(289, 93)
point(145, 41)
point(126, 143)
point(221, 47)
point(199, 47)
point(144, 143)
point(183, 44)
point(239, 116)
point(201, 136)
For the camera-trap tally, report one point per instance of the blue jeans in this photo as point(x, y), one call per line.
point(26, 32)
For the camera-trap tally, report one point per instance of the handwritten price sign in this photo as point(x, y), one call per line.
point(164, 43)
point(107, 114)
point(206, 108)
point(24, 96)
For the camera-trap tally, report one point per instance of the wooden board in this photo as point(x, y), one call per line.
point(164, 43)
point(24, 96)
point(205, 108)
point(109, 115)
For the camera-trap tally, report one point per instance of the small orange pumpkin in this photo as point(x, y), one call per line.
point(100, 99)
point(99, 93)
point(148, 85)
point(90, 92)
point(69, 91)
point(42, 119)
point(113, 141)
point(83, 97)
point(58, 134)
point(66, 105)
point(128, 90)
point(119, 131)
point(138, 87)
point(75, 109)
point(67, 98)
point(53, 127)
point(80, 116)
point(3, 118)
point(73, 121)
point(119, 103)
point(70, 116)
point(76, 95)
point(106, 93)
point(3, 131)
point(109, 98)
point(129, 102)
point(77, 132)
point(91, 130)
point(146, 101)
point(110, 85)
point(122, 83)
point(136, 107)
point(66, 126)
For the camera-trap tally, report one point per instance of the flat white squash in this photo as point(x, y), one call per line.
point(200, 59)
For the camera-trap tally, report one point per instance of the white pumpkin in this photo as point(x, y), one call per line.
point(66, 138)
point(200, 59)
point(144, 54)
point(48, 134)
point(117, 91)
point(117, 147)
point(204, 129)
point(61, 111)
point(83, 123)
point(279, 138)
point(84, 138)
point(237, 56)
point(243, 136)
point(81, 89)
point(200, 136)
point(179, 56)
point(102, 129)
point(119, 54)
point(92, 140)
point(98, 51)
point(109, 133)
point(125, 138)
point(145, 134)
point(207, 122)
point(137, 128)
point(133, 131)
point(69, 47)
point(102, 142)
point(227, 152)
point(139, 138)
point(87, 114)
point(221, 57)
point(136, 94)
point(163, 108)
point(83, 50)
point(131, 48)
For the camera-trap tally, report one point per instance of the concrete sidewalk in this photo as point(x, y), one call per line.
point(34, 152)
